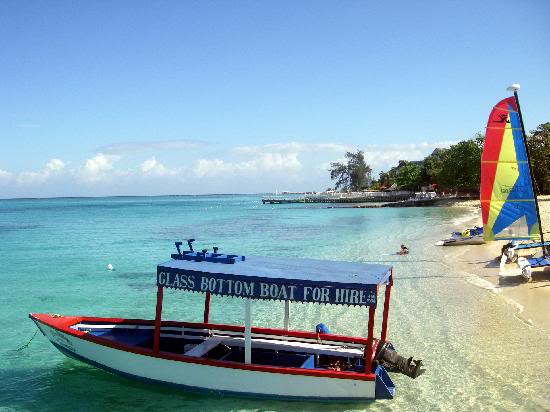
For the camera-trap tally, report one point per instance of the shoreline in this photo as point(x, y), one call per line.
point(481, 266)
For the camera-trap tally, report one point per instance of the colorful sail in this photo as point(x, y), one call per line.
point(507, 198)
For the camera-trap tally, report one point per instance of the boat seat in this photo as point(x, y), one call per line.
point(203, 348)
point(293, 346)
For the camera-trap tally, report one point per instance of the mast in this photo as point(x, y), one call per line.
point(515, 88)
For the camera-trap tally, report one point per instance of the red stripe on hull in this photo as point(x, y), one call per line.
point(64, 323)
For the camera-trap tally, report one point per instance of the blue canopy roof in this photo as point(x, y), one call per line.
point(279, 278)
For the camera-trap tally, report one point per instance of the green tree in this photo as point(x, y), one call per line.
point(432, 166)
point(479, 140)
point(384, 179)
point(408, 176)
point(354, 175)
point(539, 153)
point(461, 166)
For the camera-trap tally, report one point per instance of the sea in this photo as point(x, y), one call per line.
point(54, 254)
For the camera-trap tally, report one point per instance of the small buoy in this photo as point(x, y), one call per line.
point(110, 267)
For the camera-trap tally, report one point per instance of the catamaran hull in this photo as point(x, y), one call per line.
point(205, 378)
point(474, 240)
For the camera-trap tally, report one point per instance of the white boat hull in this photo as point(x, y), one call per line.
point(457, 241)
point(200, 377)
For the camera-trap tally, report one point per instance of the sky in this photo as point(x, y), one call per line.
point(179, 97)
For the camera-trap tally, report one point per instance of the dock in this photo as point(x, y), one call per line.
point(366, 197)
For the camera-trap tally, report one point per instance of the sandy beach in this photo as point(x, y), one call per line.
point(530, 301)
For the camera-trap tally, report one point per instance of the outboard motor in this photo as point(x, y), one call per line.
point(393, 362)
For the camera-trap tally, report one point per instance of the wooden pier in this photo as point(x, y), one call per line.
point(368, 197)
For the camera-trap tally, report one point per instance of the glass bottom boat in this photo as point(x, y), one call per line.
point(246, 360)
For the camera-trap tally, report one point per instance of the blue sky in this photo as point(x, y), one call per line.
point(180, 97)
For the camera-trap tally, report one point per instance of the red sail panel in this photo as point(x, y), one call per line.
point(496, 125)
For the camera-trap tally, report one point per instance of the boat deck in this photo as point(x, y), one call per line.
point(225, 345)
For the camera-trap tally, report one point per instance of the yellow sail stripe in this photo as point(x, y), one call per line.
point(504, 161)
point(508, 200)
point(506, 175)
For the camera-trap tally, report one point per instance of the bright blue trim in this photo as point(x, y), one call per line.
point(385, 388)
point(497, 237)
point(539, 262)
point(521, 152)
point(532, 245)
point(75, 356)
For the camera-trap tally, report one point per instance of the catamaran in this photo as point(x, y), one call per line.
point(471, 236)
point(247, 360)
point(511, 250)
point(508, 202)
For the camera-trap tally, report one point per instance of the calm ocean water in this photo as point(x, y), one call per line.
point(53, 258)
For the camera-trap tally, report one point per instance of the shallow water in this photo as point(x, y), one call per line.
point(53, 258)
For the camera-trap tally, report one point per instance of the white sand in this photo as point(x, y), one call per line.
point(530, 300)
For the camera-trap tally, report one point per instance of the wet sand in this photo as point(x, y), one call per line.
point(530, 300)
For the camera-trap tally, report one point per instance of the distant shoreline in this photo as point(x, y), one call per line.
point(132, 196)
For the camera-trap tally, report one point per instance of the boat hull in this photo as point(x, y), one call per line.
point(457, 241)
point(203, 377)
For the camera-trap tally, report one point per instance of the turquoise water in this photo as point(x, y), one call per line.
point(53, 258)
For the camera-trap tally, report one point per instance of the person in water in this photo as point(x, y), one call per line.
point(404, 250)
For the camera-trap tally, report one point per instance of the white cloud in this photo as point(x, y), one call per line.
point(293, 165)
point(383, 157)
point(29, 178)
point(261, 162)
point(277, 161)
point(53, 167)
point(5, 175)
point(95, 168)
point(275, 157)
point(217, 167)
point(151, 167)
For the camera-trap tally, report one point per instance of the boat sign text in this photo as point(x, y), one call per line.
point(261, 288)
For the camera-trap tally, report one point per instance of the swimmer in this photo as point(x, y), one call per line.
point(404, 250)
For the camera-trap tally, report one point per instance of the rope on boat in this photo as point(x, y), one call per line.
point(28, 343)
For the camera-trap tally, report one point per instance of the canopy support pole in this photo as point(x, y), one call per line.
point(287, 315)
point(158, 317)
point(386, 308)
point(370, 340)
point(207, 307)
point(248, 331)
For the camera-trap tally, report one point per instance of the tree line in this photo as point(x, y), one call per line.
point(456, 169)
